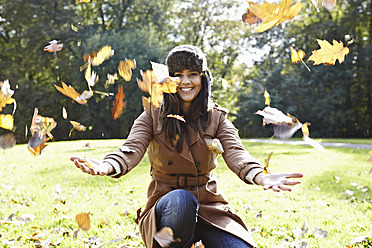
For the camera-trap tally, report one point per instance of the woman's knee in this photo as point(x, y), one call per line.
point(178, 200)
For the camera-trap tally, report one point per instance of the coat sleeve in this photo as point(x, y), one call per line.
point(236, 157)
point(127, 156)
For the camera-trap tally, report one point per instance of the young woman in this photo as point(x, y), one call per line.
point(183, 194)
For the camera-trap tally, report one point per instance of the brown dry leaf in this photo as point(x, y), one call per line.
point(7, 140)
point(36, 151)
point(198, 244)
point(73, 94)
point(83, 220)
point(328, 54)
point(164, 237)
point(125, 68)
point(77, 126)
point(250, 18)
point(119, 103)
point(267, 98)
point(6, 121)
point(274, 14)
point(42, 125)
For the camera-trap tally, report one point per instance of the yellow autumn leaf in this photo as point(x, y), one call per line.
point(267, 98)
point(125, 68)
point(274, 14)
point(297, 56)
point(6, 121)
point(328, 54)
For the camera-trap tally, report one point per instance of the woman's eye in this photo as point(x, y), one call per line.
point(194, 74)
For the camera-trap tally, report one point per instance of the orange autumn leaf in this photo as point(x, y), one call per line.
point(177, 117)
point(73, 94)
point(250, 18)
point(104, 53)
point(119, 104)
point(83, 220)
point(6, 121)
point(370, 159)
point(77, 126)
point(328, 54)
point(42, 125)
point(274, 14)
point(164, 237)
point(53, 46)
point(297, 56)
point(36, 151)
point(125, 68)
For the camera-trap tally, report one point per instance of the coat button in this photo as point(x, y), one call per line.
point(169, 162)
point(192, 188)
point(197, 163)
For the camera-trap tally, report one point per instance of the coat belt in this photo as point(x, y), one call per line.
point(181, 180)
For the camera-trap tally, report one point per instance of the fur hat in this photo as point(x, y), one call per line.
point(188, 57)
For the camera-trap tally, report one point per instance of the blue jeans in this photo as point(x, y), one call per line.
point(178, 210)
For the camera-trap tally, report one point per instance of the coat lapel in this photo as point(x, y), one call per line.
point(186, 153)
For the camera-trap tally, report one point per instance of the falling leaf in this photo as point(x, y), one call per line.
point(250, 18)
point(178, 117)
point(77, 126)
point(214, 145)
point(36, 151)
point(71, 92)
point(64, 113)
point(53, 46)
point(198, 244)
point(111, 79)
point(119, 104)
point(267, 98)
point(125, 68)
point(81, 1)
point(164, 237)
point(83, 220)
point(273, 116)
point(328, 54)
point(297, 56)
point(267, 163)
point(92, 79)
point(42, 125)
point(6, 121)
point(160, 70)
point(148, 84)
point(102, 54)
point(307, 139)
point(7, 140)
point(274, 14)
point(329, 4)
point(6, 94)
point(74, 28)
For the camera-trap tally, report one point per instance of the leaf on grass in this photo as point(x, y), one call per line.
point(301, 231)
point(274, 14)
point(83, 221)
point(359, 240)
point(6, 121)
point(370, 158)
point(119, 103)
point(125, 68)
point(267, 163)
point(71, 92)
point(164, 237)
point(53, 46)
point(57, 193)
point(7, 140)
point(214, 145)
point(77, 126)
point(319, 233)
point(250, 18)
point(328, 54)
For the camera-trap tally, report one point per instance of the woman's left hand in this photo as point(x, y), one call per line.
point(278, 181)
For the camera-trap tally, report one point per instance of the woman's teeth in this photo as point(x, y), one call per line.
point(187, 89)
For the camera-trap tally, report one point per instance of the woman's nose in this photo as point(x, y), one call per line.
point(185, 79)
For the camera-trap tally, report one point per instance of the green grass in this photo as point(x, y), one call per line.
point(27, 184)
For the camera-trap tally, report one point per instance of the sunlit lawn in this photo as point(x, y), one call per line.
point(335, 196)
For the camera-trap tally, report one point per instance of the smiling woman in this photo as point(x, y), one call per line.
point(183, 196)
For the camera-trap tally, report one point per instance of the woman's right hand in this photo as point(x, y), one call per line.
point(92, 166)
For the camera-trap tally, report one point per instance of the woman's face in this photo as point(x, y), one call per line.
point(189, 86)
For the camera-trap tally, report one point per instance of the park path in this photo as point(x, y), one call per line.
point(325, 144)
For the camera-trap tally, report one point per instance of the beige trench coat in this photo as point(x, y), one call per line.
point(195, 159)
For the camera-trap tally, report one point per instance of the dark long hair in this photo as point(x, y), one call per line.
point(198, 116)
